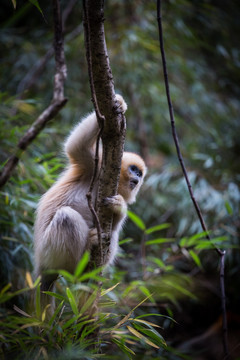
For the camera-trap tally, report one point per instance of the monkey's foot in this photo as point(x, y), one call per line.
point(93, 237)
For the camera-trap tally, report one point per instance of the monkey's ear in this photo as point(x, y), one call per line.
point(122, 103)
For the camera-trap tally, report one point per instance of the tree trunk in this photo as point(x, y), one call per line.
point(113, 134)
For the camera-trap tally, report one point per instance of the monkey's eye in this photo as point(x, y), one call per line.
point(135, 170)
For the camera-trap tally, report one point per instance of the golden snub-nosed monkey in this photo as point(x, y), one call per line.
point(64, 226)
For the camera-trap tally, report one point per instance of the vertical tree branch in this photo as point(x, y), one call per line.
point(54, 107)
point(199, 213)
point(61, 68)
point(106, 107)
point(101, 121)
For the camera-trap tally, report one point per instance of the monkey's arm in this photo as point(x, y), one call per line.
point(79, 146)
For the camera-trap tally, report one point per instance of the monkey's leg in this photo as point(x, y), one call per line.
point(62, 246)
point(64, 241)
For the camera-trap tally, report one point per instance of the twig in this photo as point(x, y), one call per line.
point(53, 109)
point(176, 141)
point(31, 77)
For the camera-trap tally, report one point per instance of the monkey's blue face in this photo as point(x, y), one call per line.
point(135, 176)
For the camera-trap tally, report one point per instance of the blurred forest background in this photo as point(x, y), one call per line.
point(178, 267)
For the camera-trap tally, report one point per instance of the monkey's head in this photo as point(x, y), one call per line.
point(133, 170)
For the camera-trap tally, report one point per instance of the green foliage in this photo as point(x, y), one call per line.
point(70, 327)
point(173, 265)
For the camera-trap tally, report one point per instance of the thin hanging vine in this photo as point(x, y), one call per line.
point(220, 252)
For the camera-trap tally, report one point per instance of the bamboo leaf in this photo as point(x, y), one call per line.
point(153, 314)
point(146, 322)
point(56, 313)
point(136, 219)
point(5, 288)
point(82, 264)
point(104, 292)
point(146, 292)
point(157, 228)
point(72, 301)
point(29, 280)
point(38, 302)
point(121, 322)
point(36, 3)
point(124, 348)
point(159, 241)
point(152, 333)
point(37, 281)
point(57, 296)
point(195, 258)
point(142, 337)
point(92, 275)
point(88, 303)
point(20, 311)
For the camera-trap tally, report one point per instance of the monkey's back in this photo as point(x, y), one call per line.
point(69, 191)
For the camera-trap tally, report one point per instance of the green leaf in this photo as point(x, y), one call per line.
point(104, 292)
point(78, 326)
point(57, 296)
point(136, 219)
point(124, 348)
point(193, 240)
point(38, 302)
point(228, 208)
point(82, 264)
point(179, 288)
point(72, 301)
point(37, 281)
point(142, 337)
point(206, 244)
point(195, 258)
point(151, 332)
point(126, 317)
point(159, 241)
point(36, 3)
point(56, 313)
point(201, 235)
point(154, 314)
point(66, 275)
point(92, 275)
point(161, 264)
point(69, 322)
point(157, 228)
point(146, 292)
point(88, 303)
point(145, 322)
point(5, 288)
point(124, 241)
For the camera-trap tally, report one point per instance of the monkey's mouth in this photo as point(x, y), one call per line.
point(133, 183)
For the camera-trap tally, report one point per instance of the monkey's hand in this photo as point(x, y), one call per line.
point(93, 240)
point(92, 237)
point(117, 204)
point(122, 103)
